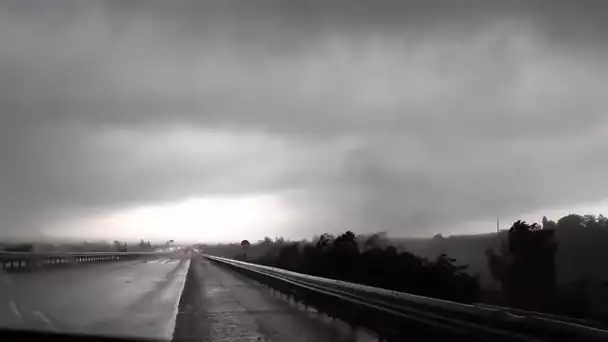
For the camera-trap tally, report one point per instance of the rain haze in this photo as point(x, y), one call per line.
point(224, 120)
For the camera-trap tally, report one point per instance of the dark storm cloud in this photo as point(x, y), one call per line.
point(405, 116)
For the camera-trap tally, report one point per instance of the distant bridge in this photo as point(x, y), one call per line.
point(26, 260)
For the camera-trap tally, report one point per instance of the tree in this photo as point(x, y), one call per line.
point(346, 242)
point(438, 237)
point(289, 257)
point(570, 222)
point(527, 271)
point(602, 221)
point(324, 240)
point(144, 245)
point(548, 224)
point(589, 220)
point(120, 247)
point(340, 258)
point(378, 240)
point(371, 242)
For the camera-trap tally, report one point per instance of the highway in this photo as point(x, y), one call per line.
point(188, 297)
point(124, 298)
point(184, 300)
point(220, 305)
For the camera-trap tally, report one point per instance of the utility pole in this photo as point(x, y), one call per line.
point(497, 226)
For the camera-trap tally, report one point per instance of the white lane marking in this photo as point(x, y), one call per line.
point(169, 327)
point(45, 319)
point(13, 307)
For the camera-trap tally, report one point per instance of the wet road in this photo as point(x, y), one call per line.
point(220, 305)
point(187, 300)
point(128, 298)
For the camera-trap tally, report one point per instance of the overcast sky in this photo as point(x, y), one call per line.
point(222, 120)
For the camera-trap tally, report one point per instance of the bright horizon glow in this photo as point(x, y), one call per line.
point(252, 217)
point(209, 219)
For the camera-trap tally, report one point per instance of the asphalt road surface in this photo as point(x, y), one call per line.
point(183, 300)
point(124, 298)
point(221, 305)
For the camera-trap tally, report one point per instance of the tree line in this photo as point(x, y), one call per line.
point(526, 265)
point(339, 257)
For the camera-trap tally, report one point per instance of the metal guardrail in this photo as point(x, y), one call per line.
point(542, 315)
point(400, 316)
point(27, 260)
